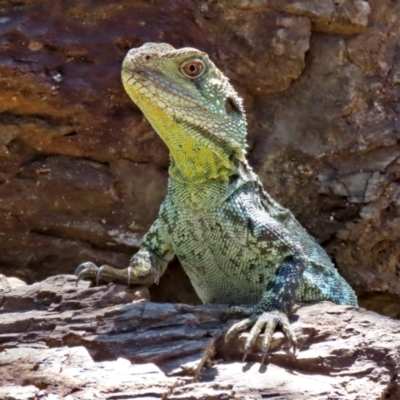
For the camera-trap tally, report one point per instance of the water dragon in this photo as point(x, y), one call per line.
point(237, 245)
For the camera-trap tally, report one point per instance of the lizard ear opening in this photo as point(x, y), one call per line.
point(231, 106)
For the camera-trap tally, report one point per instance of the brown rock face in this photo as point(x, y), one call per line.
point(82, 174)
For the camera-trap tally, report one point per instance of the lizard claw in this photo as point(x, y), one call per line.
point(87, 270)
point(129, 276)
point(156, 277)
point(98, 275)
point(267, 322)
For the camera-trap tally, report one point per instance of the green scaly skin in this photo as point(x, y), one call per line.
point(237, 245)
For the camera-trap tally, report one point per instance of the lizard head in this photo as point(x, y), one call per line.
point(187, 99)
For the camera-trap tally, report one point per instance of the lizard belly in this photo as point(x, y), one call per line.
point(217, 260)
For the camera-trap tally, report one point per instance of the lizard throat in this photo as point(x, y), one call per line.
point(203, 167)
point(196, 157)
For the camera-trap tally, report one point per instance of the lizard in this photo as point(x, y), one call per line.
point(237, 245)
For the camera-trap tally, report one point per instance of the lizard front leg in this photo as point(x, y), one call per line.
point(271, 243)
point(272, 310)
point(146, 266)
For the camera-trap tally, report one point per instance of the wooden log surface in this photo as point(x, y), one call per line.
point(111, 342)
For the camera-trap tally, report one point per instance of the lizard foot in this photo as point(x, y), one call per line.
point(89, 270)
point(266, 321)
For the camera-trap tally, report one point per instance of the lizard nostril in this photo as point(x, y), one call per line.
point(147, 57)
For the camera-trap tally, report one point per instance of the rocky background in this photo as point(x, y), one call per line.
point(82, 173)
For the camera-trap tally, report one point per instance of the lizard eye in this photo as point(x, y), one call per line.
point(193, 69)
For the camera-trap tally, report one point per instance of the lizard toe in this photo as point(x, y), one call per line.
point(238, 327)
point(270, 321)
point(86, 270)
point(98, 275)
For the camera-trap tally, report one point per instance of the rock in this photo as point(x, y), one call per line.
point(17, 392)
point(82, 174)
point(328, 16)
point(71, 373)
point(284, 39)
point(57, 339)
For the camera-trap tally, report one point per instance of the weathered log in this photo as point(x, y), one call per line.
point(109, 342)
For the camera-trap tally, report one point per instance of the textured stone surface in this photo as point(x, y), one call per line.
point(329, 16)
point(82, 173)
point(70, 373)
point(108, 342)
